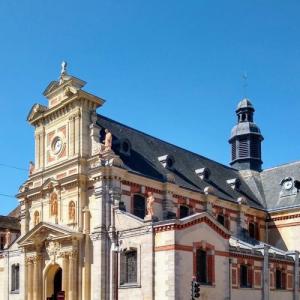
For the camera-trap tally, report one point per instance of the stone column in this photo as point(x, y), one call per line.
point(71, 135)
point(29, 279)
point(35, 279)
point(37, 150)
point(77, 132)
point(73, 284)
point(99, 239)
point(65, 275)
point(87, 262)
point(167, 203)
point(266, 274)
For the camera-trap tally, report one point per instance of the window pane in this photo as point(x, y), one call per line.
point(131, 267)
point(243, 276)
point(139, 206)
point(221, 219)
point(201, 266)
point(183, 211)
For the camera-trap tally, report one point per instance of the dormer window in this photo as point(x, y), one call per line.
point(234, 183)
point(125, 147)
point(203, 173)
point(167, 161)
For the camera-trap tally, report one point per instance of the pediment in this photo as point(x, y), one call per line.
point(50, 183)
point(45, 231)
point(36, 111)
point(51, 87)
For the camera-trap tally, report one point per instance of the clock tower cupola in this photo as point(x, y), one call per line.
point(246, 139)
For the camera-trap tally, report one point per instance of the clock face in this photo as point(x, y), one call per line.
point(288, 185)
point(57, 145)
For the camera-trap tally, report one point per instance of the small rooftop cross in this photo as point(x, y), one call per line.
point(245, 83)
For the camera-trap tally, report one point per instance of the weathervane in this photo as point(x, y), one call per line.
point(245, 83)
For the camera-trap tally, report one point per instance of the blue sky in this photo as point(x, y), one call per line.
point(170, 68)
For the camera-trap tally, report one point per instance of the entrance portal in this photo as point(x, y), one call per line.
point(57, 282)
point(53, 283)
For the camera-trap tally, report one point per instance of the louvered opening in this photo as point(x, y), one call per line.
point(255, 148)
point(243, 148)
point(233, 150)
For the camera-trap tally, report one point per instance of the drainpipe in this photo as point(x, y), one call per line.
point(296, 277)
point(230, 279)
point(266, 274)
point(113, 255)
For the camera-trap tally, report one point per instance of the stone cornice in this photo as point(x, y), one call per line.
point(66, 105)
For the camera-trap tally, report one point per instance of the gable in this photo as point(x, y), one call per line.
point(192, 221)
point(47, 231)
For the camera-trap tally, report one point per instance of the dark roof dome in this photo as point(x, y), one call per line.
point(245, 103)
point(245, 128)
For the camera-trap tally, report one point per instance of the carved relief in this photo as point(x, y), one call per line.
point(53, 249)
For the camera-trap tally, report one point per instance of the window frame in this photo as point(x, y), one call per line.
point(210, 262)
point(133, 210)
point(125, 285)
point(185, 207)
point(15, 279)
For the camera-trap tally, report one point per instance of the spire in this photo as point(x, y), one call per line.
point(246, 139)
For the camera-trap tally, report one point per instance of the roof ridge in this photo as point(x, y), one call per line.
point(282, 165)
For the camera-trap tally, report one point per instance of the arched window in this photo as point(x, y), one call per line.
point(128, 266)
point(15, 278)
point(36, 218)
point(184, 211)
point(72, 213)
point(139, 206)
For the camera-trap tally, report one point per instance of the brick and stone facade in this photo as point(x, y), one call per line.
point(85, 231)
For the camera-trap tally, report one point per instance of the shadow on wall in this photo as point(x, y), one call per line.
point(275, 237)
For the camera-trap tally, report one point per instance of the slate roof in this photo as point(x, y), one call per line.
point(271, 179)
point(143, 160)
point(245, 103)
point(9, 223)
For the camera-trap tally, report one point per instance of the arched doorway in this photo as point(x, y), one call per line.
point(57, 282)
point(53, 281)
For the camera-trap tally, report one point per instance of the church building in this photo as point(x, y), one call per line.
point(111, 213)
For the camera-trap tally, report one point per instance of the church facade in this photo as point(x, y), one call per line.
point(109, 212)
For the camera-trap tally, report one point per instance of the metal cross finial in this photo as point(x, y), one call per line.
point(63, 68)
point(245, 84)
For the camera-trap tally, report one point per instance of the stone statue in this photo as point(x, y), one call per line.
point(36, 218)
point(31, 167)
point(63, 68)
point(72, 211)
point(7, 238)
point(150, 202)
point(54, 204)
point(108, 140)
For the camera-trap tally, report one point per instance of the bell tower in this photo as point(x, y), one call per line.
point(246, 139)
